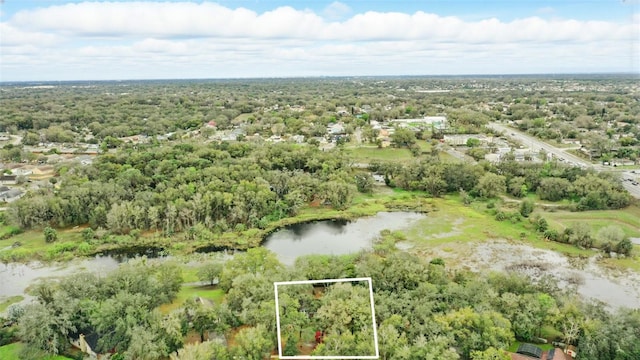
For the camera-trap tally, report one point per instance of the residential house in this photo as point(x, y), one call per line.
point(8, 179)
point(11, 195)
point(336, 129)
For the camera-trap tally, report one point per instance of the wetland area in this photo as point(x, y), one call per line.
point(592, 279)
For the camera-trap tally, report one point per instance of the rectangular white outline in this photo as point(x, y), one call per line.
point(301, 282)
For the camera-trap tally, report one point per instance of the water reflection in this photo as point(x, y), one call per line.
point(334, 237)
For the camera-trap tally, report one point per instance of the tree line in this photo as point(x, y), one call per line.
point(423, 310)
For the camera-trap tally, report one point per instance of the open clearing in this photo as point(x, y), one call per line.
point(11, 351)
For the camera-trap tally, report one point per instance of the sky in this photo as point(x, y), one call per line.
point(50, 40)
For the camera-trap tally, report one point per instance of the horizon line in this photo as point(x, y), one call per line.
point(507, 75)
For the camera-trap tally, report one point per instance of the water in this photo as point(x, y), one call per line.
point(331, 237)
point(614, 288)
point(16, 277)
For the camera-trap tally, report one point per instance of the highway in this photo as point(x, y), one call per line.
point(628, 178)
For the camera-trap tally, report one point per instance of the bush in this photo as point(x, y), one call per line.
point(551, 234)
point(625, 246)
point(7, 335)
point(88, 234)
point(541, 225)
point(526, 208)
point(50, 234)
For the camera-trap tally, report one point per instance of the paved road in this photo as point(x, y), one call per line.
point(628, 179)
point(536, 145)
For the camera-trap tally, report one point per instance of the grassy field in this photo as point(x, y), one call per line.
point(191, 292)
point(11, 351)
point(627, 219)
point(32, 246)
point(453, 222)
point(366, 154)
point(11, 300)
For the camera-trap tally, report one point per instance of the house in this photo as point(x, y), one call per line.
point(434, 122)
point(11, 195)
point(335, 129)
point(22, 172)
point(8, 179)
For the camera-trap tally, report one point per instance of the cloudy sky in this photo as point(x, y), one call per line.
point(98, 40)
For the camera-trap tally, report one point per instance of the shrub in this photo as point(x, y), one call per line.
point(551, 234)
point(526, 208)
point(625, 246)
point(50, 234)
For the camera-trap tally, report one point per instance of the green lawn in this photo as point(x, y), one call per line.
point(191, 292)
point(369, 153)
point(11, 351)
point(11, 300)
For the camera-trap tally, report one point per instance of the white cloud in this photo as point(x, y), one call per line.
point(165, 39)
point(14, 36)
point(336, 11)
point(162, 19)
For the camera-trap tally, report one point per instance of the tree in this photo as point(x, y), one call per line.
point(117, 316)
point(624, 247)
point(145, 345)
point(581, 235)
point(490, 354)
point(252, 343)
point(517, 186)
point(610, 234)
point(403, 137)
point(476, 331)
point(477, 153)
point(50, 234)
point(612, 338)
point(48, 326)
point(526, 207)
point(255, 261)
point(210, 272)
point(364, 183)
point(473, 142)
point(290, 348)
point(490, 185)
point(554, 189)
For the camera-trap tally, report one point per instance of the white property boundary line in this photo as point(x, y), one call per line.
point(302, 282)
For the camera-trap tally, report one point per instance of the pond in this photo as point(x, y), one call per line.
point(320, 237)
point(335, 237)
